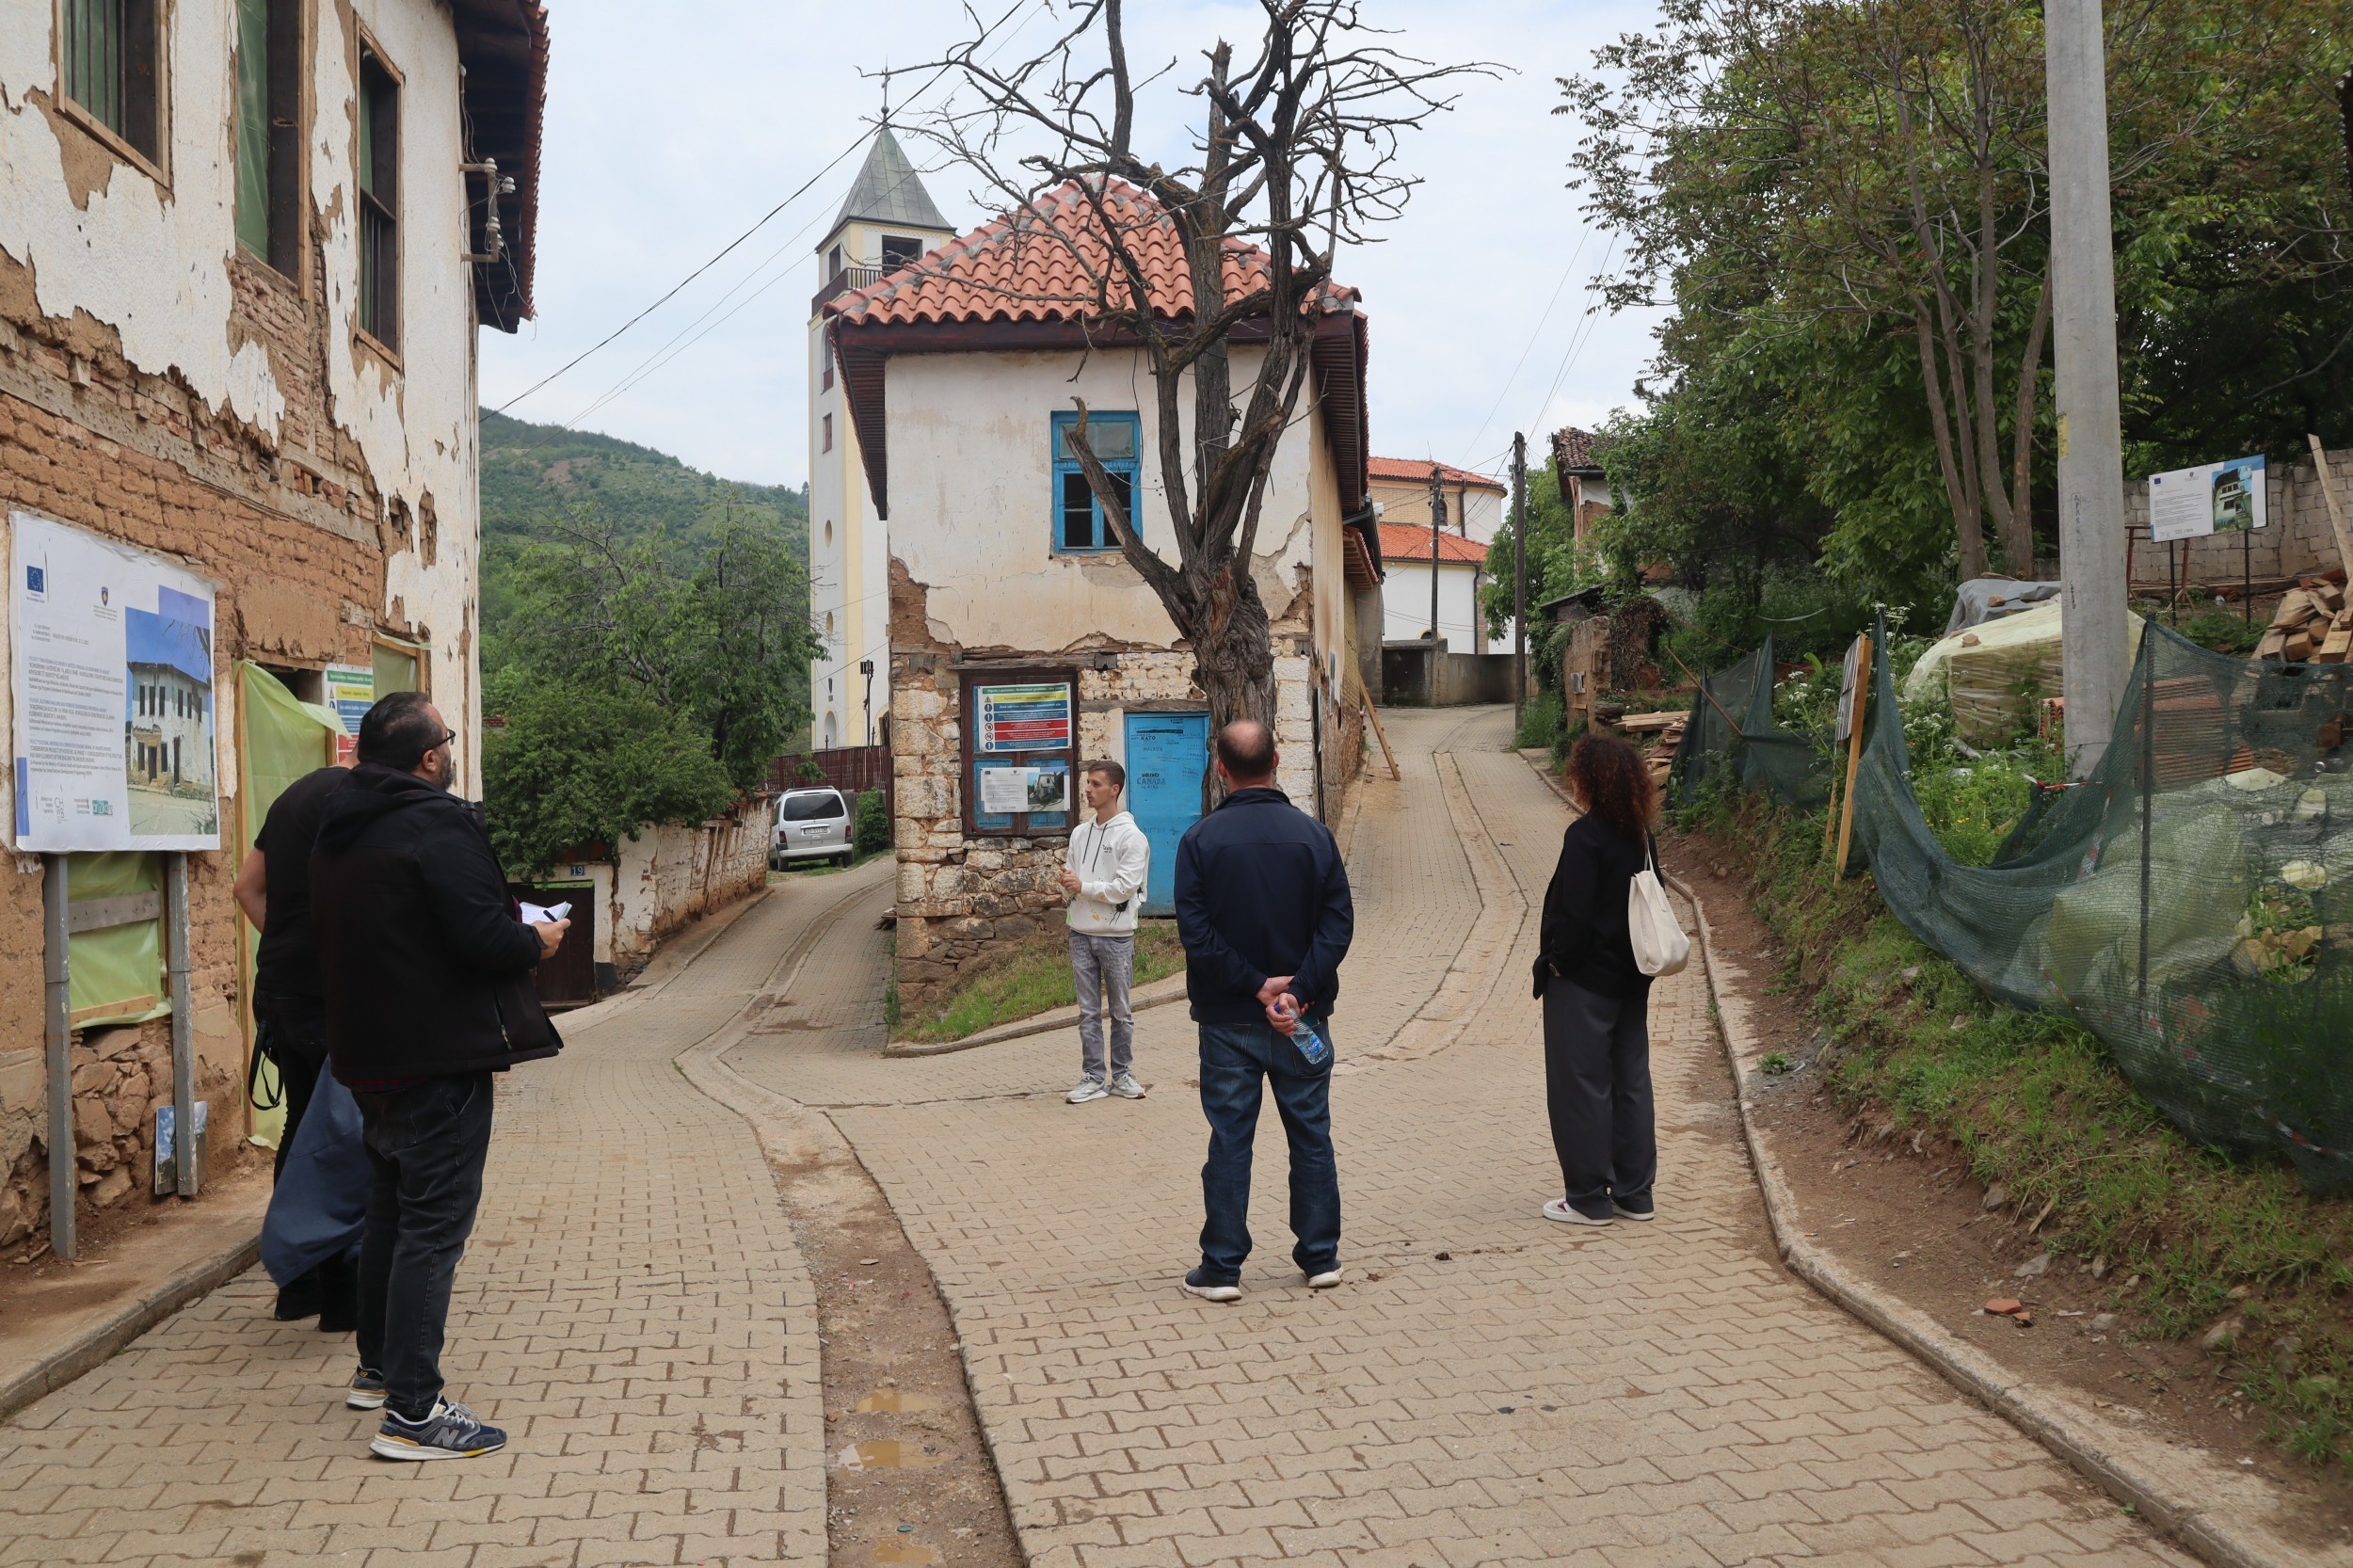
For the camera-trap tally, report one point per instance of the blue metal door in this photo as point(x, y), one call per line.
point(1166, 754)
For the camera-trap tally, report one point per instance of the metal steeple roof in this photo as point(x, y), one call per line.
point(889, 191)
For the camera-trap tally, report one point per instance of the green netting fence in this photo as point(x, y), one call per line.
point(2191, 902)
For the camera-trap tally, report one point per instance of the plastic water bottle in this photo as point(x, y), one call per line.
point(1312, 1046)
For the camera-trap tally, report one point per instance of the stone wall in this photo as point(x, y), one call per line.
point(959, 898)
point(674, 873)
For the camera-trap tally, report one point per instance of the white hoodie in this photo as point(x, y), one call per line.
point(1111, 859)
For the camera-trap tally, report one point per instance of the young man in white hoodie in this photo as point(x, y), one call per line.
point(1103, 872)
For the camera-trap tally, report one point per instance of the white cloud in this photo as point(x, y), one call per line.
point(664, 142)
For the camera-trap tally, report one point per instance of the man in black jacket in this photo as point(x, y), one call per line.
point(418, 942)
point(1263, 910)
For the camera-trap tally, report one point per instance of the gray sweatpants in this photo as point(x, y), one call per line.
point(1102, 967)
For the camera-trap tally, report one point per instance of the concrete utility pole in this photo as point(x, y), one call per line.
point(1519, 576)
point(1437, 523)
point(2091, 440)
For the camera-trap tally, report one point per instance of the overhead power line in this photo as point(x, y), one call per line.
point(730, 246)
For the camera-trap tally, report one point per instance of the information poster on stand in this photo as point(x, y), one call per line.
point(110, 671)
point(2212, 498)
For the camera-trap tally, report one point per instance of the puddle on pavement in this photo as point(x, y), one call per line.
point(895, 1401)
point(903, 1551)
point(887, 1453)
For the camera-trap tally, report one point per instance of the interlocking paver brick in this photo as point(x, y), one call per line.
point(1706, 1408)
point(632, 1305)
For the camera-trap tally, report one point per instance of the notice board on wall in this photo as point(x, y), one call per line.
point(1020, 732)
point(110, 670)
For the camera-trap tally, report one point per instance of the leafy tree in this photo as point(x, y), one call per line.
point(1845, 202)
point(571, 768)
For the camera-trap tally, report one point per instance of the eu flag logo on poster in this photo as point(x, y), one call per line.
point(36, 580)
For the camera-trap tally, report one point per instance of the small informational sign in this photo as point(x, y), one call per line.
point(351, 692)
point(111, 670)
point(1023, 718)
point(2212, 498)
point(1008, 789)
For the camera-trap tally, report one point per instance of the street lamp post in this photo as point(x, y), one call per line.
point(866, 668)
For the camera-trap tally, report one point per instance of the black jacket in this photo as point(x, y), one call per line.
point(1585, 937)
point(1261, 891)
point(417, 936)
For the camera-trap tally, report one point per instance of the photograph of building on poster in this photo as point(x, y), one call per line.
point(167, 720)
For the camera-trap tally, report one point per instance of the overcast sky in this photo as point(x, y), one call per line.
point(661, 148)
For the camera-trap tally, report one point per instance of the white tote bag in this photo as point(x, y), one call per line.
point(1659, 945)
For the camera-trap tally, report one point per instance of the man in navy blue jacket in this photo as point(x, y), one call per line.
point(1263, 909)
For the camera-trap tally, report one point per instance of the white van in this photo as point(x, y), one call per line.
point(811, 824)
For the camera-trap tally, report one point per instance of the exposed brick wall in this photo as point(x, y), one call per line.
point(286, 520)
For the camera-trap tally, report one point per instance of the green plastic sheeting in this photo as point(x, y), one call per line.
point(283, 739)
point(2191, 902)
point(118, 971)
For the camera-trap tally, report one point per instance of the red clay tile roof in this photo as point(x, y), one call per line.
point(1572, 451)
point(1416, 471)
point(1408, 543)
point(1053, 264)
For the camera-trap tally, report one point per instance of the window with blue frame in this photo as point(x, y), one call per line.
point(1116, 441)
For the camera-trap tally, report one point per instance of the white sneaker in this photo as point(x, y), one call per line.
point(1126, 1088)
point(1325, 1280)
point(1557, 1208)
point(1089, 1089)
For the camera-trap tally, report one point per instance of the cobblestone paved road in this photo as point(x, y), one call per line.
point(631, 1308)
point(1488, 1388)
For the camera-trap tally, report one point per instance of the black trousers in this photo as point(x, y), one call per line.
point(1597, 1088)
point(426, 1144)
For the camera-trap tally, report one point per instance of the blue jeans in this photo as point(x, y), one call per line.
point(1236, 1060)
point(426, 1145)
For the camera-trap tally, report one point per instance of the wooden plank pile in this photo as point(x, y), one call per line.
point(2312, 625)
point(1668, 727)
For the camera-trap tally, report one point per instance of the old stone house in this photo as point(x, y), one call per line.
point(1020, 640)
point(244, 248)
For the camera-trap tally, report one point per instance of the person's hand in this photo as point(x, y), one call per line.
point(1275, 986)
point(1283, 1013)
point(551, 937)
point(1070, 880)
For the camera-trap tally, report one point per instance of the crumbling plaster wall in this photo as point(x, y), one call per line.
point(160, 385)
point(153, 267)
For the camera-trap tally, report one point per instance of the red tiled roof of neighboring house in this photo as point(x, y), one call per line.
point(1054, 263)
point(1029, 281)
point(1407, 543)
point(1574, 451)
point(1416, 470)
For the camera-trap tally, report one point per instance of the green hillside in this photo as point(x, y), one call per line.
point(531, 472)
point(533, 476)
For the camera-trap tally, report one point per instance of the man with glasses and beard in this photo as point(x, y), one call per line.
point(426, 968)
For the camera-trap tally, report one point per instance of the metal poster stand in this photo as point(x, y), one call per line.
point(56, 976)
point(187, 1151)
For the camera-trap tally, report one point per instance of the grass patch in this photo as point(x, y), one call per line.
point(1034, 977)
point(2036, 1103)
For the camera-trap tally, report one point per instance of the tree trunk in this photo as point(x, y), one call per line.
point(1233, 659)
point(2018, 528)
point(1966, 524)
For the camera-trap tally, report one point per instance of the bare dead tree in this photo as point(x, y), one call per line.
point(1295, 155)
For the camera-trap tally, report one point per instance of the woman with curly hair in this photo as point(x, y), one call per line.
point(1596, 999)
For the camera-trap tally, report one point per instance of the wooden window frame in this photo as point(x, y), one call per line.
point(422, 654)
point(365, 49)
point(157, 165)
point(285, 182)
point(1062, 467)
point(1019, 824)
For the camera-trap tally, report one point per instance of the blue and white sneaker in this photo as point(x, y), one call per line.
point(366, 1390)
point(452, 1431)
